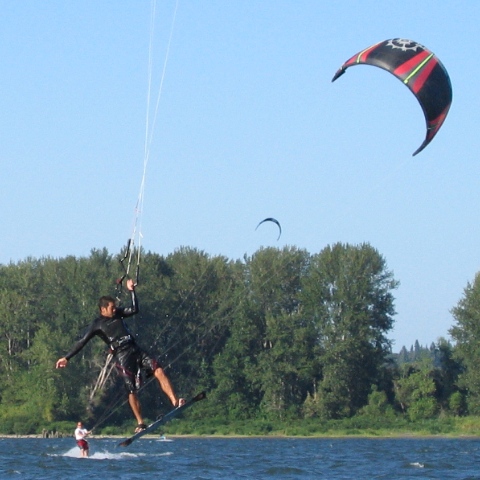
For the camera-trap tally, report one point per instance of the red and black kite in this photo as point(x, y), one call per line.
point(419, 69)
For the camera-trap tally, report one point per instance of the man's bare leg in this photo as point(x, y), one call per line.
point(135, 406)
point(167, 387)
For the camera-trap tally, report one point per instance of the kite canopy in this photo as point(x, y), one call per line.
point(419, 69)
point(270, 219)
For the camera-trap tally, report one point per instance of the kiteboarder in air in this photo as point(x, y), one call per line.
point(130, 360)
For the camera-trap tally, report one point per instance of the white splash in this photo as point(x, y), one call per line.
point(75, 453)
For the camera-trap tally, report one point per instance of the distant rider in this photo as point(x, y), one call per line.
point(80, 434)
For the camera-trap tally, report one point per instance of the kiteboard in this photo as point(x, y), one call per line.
point(162, 420)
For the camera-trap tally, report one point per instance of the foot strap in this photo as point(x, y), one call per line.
point(140, 427)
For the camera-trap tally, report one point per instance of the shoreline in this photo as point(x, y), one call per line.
point(273, 437)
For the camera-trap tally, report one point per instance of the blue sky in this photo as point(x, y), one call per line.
point(249, 126)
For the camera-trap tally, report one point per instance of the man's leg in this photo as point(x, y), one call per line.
point(166, 386)
point(126, 364)
point(135, 406)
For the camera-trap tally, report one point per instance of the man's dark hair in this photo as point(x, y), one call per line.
point(105, 300)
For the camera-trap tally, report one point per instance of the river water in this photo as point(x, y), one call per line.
point(242, 458)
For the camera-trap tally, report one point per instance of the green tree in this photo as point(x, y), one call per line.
point(348, 293)
point(186, 304)
point(236, 395)
point(466, 333)
point(457, 404)
point(448, 371)
point(416, 391)
point(378, 405)
point(285, 361)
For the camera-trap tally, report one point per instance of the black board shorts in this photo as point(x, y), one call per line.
point(130, 361)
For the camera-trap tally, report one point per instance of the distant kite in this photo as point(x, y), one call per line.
point(419, 69)
point(274, 221)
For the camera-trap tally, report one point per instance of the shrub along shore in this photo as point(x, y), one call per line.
point(352, 427)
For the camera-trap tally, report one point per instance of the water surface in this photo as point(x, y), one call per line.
point(242, 458)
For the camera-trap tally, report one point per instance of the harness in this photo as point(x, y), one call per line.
point(122, 341)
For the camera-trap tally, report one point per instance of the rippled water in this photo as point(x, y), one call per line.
point(246, 458)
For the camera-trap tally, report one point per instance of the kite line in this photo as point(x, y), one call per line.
point(133, 249)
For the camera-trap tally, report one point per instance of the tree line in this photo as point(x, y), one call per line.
point(282, 334)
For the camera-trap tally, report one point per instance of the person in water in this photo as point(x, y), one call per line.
point(80, 434)
point(129, 358)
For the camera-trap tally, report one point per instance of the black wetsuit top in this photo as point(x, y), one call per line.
point(112, 331)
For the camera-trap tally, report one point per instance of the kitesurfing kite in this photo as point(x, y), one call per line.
point(419, 69)
point(269, 219)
